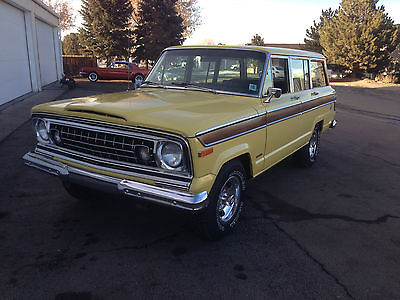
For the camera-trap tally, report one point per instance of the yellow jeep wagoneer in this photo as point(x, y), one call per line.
point(205, 120)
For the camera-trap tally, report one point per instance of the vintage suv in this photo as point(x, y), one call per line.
point(206, 119)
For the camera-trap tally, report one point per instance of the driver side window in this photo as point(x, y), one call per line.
point(280, 74)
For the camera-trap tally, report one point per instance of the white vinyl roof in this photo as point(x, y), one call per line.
point(271, 50)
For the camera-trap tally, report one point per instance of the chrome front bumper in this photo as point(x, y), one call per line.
point(116, 185)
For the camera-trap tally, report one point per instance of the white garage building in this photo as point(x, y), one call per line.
point(30, 48)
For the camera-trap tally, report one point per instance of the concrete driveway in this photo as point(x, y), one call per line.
point(328, 232)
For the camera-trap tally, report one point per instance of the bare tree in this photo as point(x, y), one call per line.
point(64, 9)
point(189, 11)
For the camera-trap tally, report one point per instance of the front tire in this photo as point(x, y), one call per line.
point(308, 155)
point(226, 200)
point(93, 76)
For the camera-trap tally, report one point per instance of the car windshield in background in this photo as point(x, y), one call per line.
point(223, 70)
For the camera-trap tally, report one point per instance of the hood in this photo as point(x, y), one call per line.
point(180, 111)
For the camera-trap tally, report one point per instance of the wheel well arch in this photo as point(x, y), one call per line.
point(245, 160)
point(319, 125)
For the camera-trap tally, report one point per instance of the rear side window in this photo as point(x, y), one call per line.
point(318, 74)
point(301, 76)
point(280, 74)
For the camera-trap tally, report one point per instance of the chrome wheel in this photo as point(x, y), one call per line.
point(228, 199)
point(308, 155)
point(312, 149)
point(138, 79)
point(93, 77)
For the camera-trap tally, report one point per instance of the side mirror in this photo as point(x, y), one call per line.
point(272, 93)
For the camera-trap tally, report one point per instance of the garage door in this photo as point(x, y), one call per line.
point(47, 54)
point(15, 77)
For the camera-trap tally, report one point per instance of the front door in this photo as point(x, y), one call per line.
point(119, 71)
point(284, 130)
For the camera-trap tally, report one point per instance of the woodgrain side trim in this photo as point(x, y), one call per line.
point(231, 131)
point(292, 111)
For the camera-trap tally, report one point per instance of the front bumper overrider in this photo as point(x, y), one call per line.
point(114, 185)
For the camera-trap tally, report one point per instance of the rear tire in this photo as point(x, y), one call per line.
point(226, 201)
point(308, 155)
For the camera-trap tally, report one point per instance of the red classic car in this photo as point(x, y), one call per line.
point(117, 70)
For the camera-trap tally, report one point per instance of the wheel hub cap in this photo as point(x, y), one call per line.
point(313, 146)
point(228, 199)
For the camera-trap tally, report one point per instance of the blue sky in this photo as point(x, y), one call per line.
point(234, 22)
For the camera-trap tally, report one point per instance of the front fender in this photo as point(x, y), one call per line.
point(252, 144)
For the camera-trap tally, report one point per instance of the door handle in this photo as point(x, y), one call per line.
point(295, 98)
point(314, 93)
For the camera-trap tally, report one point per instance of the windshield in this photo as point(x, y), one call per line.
point(227, 70)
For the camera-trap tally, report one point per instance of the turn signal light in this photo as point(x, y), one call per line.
point(206, 152)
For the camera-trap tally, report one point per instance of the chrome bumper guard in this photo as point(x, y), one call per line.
point(136, 189)
point(333, 124)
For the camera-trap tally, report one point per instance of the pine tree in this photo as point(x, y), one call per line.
point(360, 38)
point(188, 10)
point(257, 40)
point(312, 35)
point(158, 27)
point(71, 45)
point(105, 32)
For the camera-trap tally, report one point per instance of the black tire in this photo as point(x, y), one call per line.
point(220, 218)
point(308, 155)
point(83, 193)
point(93, 76)
point(137, 79)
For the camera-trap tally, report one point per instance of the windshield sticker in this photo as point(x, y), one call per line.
point(252, 87)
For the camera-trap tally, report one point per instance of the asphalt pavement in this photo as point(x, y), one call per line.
point(328, 232)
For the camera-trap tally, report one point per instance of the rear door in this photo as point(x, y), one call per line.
point(318, 103)
point(302, 91)
point(283, 117)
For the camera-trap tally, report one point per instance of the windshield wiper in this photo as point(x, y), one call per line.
point(194, 86)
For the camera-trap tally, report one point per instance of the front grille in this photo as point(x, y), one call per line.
point(105, 145)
